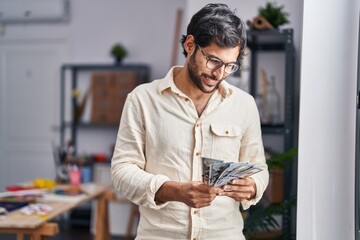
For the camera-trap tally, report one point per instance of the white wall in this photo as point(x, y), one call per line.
point(146, 28)
point(327, 120)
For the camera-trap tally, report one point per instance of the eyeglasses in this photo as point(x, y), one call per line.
point(214, 63)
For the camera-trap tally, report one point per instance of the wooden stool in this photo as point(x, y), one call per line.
point(102, 219)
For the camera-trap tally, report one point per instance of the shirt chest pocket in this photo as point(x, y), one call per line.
point(225, 141)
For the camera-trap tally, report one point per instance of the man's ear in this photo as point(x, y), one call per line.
point(189, 44)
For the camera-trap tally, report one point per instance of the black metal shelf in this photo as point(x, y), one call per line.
point(80, 216)
point(273, 129)
point(142, 75)
point(105, 67)
point(277, 41)
point(272, 40)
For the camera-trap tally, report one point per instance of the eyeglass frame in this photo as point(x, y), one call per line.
point(208, 58)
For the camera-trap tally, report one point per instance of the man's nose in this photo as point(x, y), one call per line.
point(219, 72)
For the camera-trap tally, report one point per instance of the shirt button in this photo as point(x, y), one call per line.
point(195, 239)
point(197, 125)
point(196, 212)
point(197, 154)
point(186, 99)
point(227, 132)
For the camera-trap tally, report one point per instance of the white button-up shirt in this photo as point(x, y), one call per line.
point(162, 138)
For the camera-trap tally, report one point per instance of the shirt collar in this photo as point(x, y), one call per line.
point(225, 89)
point(168, 81)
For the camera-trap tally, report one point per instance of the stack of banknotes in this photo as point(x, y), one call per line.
point(218, 173)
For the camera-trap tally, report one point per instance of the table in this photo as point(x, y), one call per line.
point(39, 227)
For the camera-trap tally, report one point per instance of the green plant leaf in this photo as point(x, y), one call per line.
point(274, 14)
point(263, 218)
point(118, 51)
point(280, 160)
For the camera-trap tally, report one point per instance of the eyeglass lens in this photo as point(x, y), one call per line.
point(213, 64)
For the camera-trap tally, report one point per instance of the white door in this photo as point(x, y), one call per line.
point(29, 107)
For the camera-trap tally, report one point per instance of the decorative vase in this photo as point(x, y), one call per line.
point(118, 60)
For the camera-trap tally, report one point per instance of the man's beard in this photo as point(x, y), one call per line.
point(196, 79)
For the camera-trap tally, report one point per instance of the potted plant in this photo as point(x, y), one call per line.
point(119, 52)
point(274, 14)
point(262, 218)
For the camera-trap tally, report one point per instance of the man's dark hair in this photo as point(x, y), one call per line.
point(216, 23)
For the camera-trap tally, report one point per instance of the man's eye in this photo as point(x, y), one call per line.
point(233, 66)
point(215, 62)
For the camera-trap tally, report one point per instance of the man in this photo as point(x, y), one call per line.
point(168, 125)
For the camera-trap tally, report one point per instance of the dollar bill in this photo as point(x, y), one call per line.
point(206, 162)
point(219, 173)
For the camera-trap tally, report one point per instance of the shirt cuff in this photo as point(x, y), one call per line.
point(259, 192)
point(156, 182)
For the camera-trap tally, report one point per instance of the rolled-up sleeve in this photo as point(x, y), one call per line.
point(128, 161)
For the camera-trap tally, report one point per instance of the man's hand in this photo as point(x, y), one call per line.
point(193, 194)
point(240, 189)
